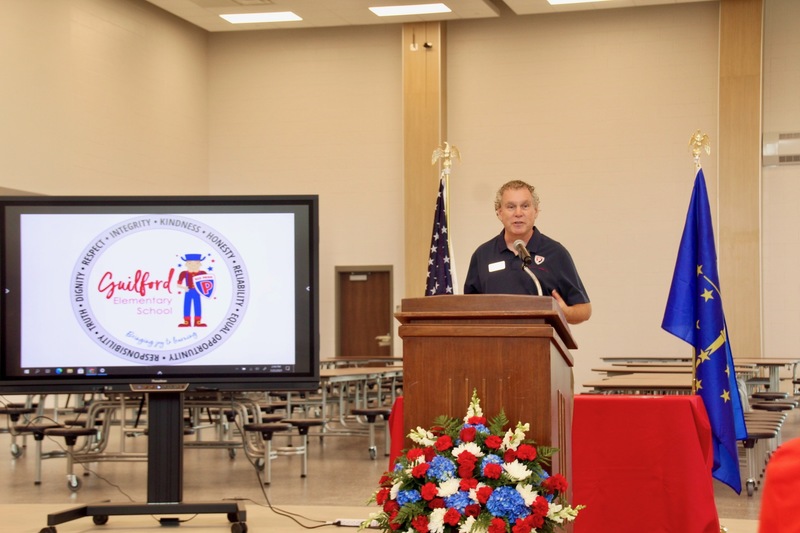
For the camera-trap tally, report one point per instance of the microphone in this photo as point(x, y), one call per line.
point(523, 252)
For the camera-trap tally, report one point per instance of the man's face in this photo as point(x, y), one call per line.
point(193, 266)
point(517, 213)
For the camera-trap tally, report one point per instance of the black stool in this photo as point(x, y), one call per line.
point(37, 430)
point(14, 413)
point(71, 435)
point(371, 414)
point(266, 430)
point(302, 425)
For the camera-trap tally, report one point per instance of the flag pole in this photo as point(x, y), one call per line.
point(697, 144)
point(446, 155)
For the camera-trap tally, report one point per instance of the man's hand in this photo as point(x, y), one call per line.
point(575, 314)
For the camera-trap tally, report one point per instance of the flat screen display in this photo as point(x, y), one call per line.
point(200, 292)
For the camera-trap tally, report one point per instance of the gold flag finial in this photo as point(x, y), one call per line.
point(698, 143)
point(446, 154)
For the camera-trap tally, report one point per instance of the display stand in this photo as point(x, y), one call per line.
point(513, 350)
point(164, 476)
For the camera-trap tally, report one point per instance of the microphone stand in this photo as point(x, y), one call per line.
point(533, 277)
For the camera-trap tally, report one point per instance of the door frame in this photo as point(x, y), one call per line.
point(363, 269)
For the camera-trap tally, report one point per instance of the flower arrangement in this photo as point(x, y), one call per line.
point(472, 477)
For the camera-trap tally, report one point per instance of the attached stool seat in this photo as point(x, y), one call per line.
point(302, 425)
point(372, 414)
point(14, 413)
point(267, 429)
point(754, 443)
point(37, 430)
point(71, 435)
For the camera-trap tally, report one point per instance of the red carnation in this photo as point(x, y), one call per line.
point(392, 524)
point(477, 420)
point(483, 494)
point(540, 506)
point(492, 471)
point(420, 470)
point(510, 456)
point(473, 510)
point(467, 483)
point(445, 442)
point(497, 525)
point(436, 503)
point(556, 482)
point(428, 491)
point(466, 457)
point(493, 442)
point(466, 470)
point(521, 526)
point(451, 517)
point(467, 434)
point(420, 523)
point(413, 454)
point(429, 453)
point(526, 452)
point(537, 521)
point(391, 506)
point(382, 496)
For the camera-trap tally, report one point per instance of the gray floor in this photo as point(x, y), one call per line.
point(341, 473)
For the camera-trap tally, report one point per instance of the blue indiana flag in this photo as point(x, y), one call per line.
point(694, 314)
point(440, 278)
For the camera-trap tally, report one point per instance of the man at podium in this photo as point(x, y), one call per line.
point(522, 260)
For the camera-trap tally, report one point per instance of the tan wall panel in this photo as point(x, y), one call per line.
point(424, 123)
point(740, 171)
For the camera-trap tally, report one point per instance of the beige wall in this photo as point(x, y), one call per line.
point(101, 97)
point(316, 112)
point(781, 185)
point(595, 108)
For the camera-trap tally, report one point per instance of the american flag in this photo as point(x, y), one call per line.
point(440, 276)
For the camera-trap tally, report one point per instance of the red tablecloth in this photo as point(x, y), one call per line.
point(781, 487)
point(642, 463)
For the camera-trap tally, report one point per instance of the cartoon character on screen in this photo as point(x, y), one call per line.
point(194, 282)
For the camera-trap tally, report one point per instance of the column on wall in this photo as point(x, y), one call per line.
point(424, 128)
point(740, 171)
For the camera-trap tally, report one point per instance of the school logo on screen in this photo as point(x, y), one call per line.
point(159, 289)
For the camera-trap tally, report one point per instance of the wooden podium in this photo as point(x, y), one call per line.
point(514, 350)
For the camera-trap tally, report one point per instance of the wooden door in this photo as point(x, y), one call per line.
point(364, 315)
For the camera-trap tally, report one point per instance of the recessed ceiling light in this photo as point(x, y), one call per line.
point(419, 9)
point(564, 2)
point(251, 18)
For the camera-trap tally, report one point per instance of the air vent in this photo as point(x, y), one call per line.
point(781, 149)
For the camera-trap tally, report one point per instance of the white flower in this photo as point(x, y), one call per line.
point(527, 492)
point(436, 520)
point(474, 408)
point(395, 490)
point(422, 436)
point(470, 447)
point(469, 524)
point(473, 493)
point(513, 439)
point(559, 514)
point(448, 487)
point(517, 471)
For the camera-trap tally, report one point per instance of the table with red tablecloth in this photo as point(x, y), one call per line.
point(642, 463)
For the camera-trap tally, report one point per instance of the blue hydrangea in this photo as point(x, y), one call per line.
point(458, 501)
point(408, 496)
point(508, 503)
point(490, 459)
point(480, 428)
point(441, 468)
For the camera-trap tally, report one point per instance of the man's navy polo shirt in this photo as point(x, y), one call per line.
point(494, 269)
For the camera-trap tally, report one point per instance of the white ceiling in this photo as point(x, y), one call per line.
point(322, 13)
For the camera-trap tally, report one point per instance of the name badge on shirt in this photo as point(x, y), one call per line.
point(494, 267)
